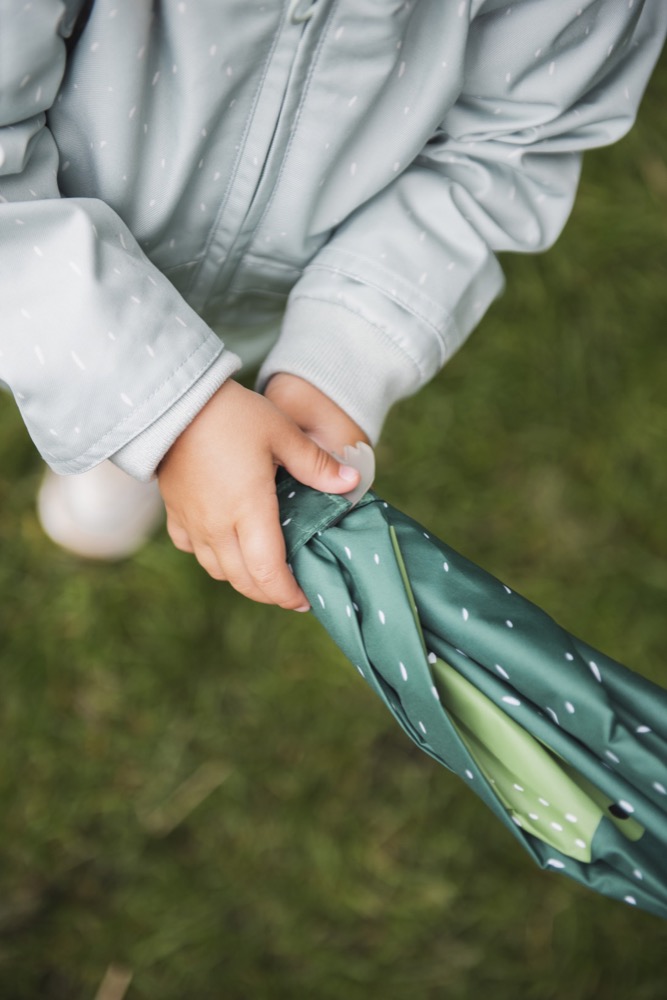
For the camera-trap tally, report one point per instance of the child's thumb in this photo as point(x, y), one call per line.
point(315, 467)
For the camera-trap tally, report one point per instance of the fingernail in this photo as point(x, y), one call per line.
point(347, 473)
point(304, 607)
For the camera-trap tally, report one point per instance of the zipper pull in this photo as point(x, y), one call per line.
point(300, 11)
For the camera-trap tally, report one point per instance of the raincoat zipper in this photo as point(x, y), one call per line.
point(246, 201)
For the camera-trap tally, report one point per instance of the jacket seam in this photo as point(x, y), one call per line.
point(264, 292)
point(396, 279)
point(441, 336)
point(183, 263)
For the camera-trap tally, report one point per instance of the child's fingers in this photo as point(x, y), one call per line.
point(267, 580)
point(262, 547)
point(312, 465)
point(179, 535)
point(208, 560)
point(230, 566)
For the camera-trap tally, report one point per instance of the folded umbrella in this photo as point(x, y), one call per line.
point(565, 745)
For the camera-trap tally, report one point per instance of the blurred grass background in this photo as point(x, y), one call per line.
point(199, 795)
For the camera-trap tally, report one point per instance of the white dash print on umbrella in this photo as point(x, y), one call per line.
point(541, 670)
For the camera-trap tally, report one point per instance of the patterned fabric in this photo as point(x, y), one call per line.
point(322, 188)
point(565, 745)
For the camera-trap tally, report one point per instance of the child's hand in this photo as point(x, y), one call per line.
point(218, 485)
point(317, 415)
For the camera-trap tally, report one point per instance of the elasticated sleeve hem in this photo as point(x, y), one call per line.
point(141, 457)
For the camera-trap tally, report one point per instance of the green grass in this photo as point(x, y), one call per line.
point(201, 791)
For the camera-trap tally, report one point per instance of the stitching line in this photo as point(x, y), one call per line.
point(441, 337)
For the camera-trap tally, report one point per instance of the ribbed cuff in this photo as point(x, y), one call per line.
point(141, 457)
point(353, 362)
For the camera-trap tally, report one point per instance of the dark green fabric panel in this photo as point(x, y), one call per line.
point(605, 726)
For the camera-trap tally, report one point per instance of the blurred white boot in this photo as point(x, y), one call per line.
point(101, 514)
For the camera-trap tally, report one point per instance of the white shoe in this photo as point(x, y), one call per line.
point(101, 514)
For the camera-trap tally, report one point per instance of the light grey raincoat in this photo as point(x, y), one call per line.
point(321, 186)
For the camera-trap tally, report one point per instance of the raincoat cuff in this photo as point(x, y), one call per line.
point(141, 457)
point(357, 364)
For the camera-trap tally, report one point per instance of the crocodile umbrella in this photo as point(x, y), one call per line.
point(566, 746)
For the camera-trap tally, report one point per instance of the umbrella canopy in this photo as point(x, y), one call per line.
point(565, 745)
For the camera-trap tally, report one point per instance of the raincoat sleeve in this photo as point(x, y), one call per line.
point(405, 279)
point(95, 344)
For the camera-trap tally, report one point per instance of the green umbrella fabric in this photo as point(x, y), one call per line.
point(566, 746)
